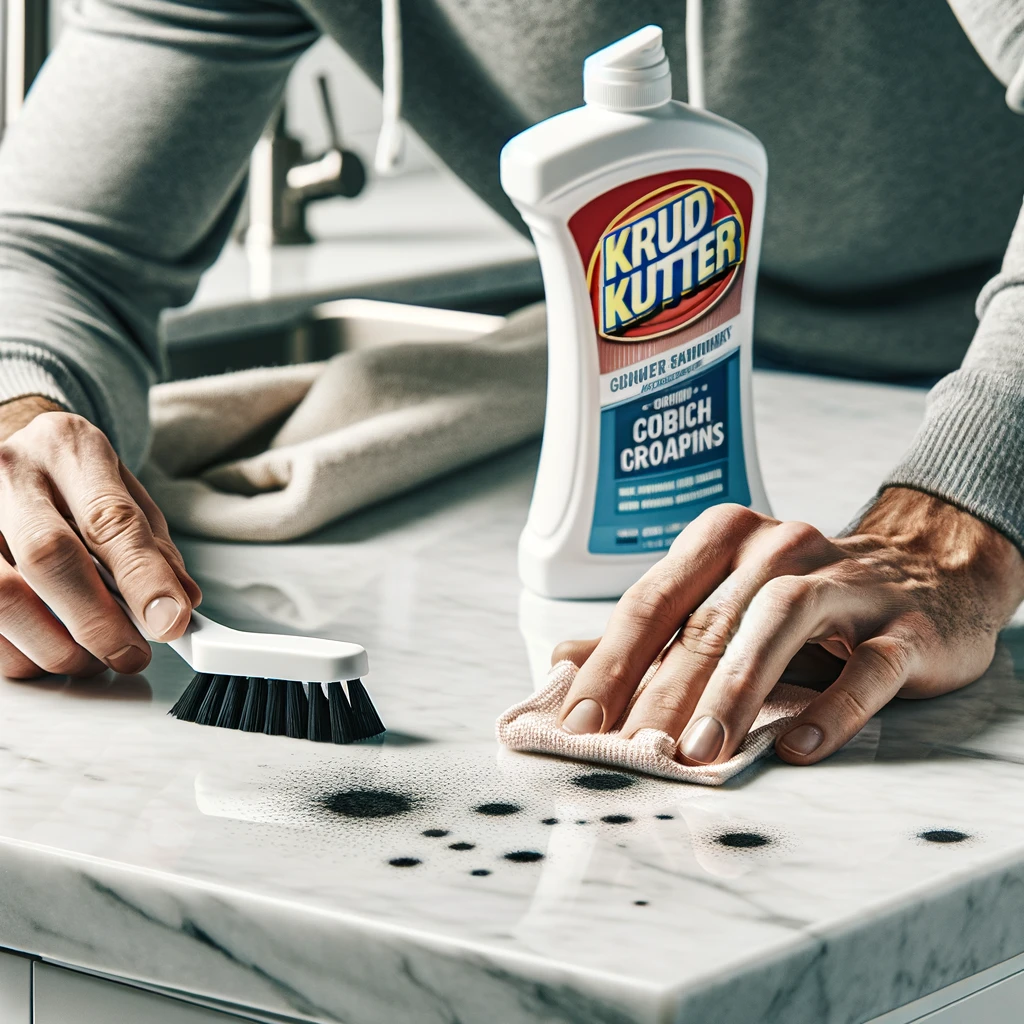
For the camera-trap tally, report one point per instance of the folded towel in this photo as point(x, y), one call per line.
point(273, 453)
point(532, 726)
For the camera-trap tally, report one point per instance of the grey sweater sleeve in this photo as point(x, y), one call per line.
point(118, 185)
point(970, 448)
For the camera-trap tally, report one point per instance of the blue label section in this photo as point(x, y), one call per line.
point(667, 456)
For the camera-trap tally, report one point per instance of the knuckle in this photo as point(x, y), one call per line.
point(108, 518)
point(707, 633)
point(50, 551)
point(617, 675)
point(890, 656)
point(10, 459)
point(650, 602)
point(850, 706)
point(789, 593)
point(14, 665)
point(66, 662)
point(795, 537)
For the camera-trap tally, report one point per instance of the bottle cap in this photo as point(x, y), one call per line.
point(631, 74)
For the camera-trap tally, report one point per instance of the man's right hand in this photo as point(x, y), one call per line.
point(65, 495)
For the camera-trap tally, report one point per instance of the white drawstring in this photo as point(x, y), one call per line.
point(391, 140)
point(694, 54)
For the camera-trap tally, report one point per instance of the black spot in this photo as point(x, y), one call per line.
point(462, 846)
point(404, 862)
point(581, 821)
point(742, 840)
point(549, 821)
point(616, 819)
point(639, 903)
point(435, 833)
point(524, 856)
point(480, 872)
point(498, 810)
point(943, 835)
point(367, 803)
point(665, 817)
point(603, 780)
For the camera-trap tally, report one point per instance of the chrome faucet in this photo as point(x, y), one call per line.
point(24, 33)
point(282, 182)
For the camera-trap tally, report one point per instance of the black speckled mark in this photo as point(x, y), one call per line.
point(581, 821)
point(367, 803)
point(435, 833)
point(742, 840)
point(498, 810)
point(665, 817)
point(480, 872)
point(462, 846)
point(943, 835)
point(549, 821)
point(603, 780)
point(524, 856)
point(616, 819)
point(404, 862)
point(639, 903)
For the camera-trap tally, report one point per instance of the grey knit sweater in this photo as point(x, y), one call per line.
point(896, 171)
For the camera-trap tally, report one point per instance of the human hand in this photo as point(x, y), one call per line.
point(65, 495)
point(912, 602)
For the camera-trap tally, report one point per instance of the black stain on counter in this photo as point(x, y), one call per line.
point(479, 872)
point(616, 819)
point(603, 781)
point(549, 821)
point(435, 833)
point(943, 835)
point(639, 903)
point(524, 856)
point(742, 840)
point(368, 803)
point(462, 846)
point(665, 817)
point(498, 810)
point(404, 862)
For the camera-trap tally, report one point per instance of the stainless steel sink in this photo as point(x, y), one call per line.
point(328, 328)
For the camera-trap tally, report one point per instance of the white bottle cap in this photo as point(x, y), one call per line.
point(631, 74)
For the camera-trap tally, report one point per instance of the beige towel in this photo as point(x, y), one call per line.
point(531, 726)
point(271, 454)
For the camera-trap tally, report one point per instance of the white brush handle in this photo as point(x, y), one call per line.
point(209, 647)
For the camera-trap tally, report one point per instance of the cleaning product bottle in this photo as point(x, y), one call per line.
point(647, 216)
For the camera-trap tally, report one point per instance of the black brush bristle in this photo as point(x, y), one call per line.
point(296, 711)
point(273, 718)
point(187, 706)
point(365, 720)
point(341, 714)
point(281, 707)
point(231, 709)
point(210, 708)
point(254, 708)
point(318, 723)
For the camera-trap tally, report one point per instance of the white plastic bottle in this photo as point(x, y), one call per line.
point(647, 216)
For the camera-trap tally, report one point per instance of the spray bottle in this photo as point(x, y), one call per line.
point(647, 216)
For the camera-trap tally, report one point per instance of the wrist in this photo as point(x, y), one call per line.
point(19, 412)
point(953, 541)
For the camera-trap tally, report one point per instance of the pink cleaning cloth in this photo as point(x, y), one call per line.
point(532, 726)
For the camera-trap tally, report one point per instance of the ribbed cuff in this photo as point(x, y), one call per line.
point(970, 449)
point(27, 370)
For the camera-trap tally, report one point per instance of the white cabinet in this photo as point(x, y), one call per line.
point(15, 989)
point(1001, 1003)
point(61, 996)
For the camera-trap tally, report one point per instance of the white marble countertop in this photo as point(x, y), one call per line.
point(211, 862)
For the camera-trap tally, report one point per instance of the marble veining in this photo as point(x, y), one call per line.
point(434, 877)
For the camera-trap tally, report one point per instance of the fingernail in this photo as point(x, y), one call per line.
point(161, 613)
point(804, 739)
point(587, 716)
point(128, 660)
point(703, 740)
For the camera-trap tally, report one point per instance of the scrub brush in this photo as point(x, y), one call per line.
point(271, 683)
